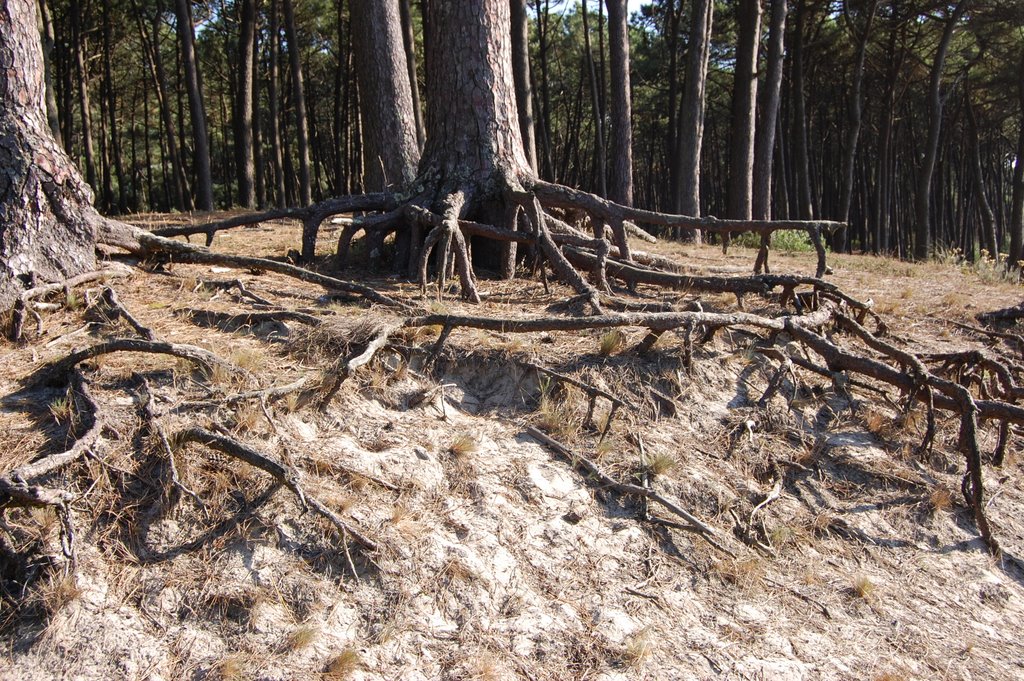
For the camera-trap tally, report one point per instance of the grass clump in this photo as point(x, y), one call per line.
point(342, 665)
point(611, 342)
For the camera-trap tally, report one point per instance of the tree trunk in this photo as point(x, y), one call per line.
point(1016, 228)
point(923, 199)
point(46, 30)
point(855, 112)
point(197, 111)
point(298, 93)
point(473, 134)
point(46, 219)
point(691, 113)
point(274, 94)
point(521, 74)
point(764, 146)
point(988, 218)
point(114, 133)
point(84, 106)
point(600, 162)
point(245, 164)
point(386, 101)
point(801, 167)
point(621, 186)
point(744, 105)
point(409, 40)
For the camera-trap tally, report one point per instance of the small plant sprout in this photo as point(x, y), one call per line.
point(62, 409)
point(660, 463)
point(611, 342)
point(303, 637)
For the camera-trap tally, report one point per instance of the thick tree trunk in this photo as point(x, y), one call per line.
point(245, 164)
point(386, 102)
point(744, 106)
point(923, 199)
point(691, 114)
point(197, 110)
point(473, 133)
point(621, 186)
point(46, 232)
point(764, 145)
point(298, 93)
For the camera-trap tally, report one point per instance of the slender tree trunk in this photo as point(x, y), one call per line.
point(46, 30)
point(298, 94)
point(764, 146)
point(600, 162)
point(84, 107)
point(801, 168)
point(988, 218)
point(259, 170)
point(855, 112)
point(621, 186)
point(922, 203)
point(340, 101)
point(409, 40)
point(274, 93)
point(744, 105)
point(245, 164)
point(692, 106)
point(197, 110)
point(671, 180)
point(114, 132)
point(1016, 227)
point(386, 101)
point(522, 75)
point(543, 22)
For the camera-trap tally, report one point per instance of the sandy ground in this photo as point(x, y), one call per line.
point(498, 559)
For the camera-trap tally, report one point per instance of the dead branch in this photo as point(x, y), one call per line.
point(111, 271)
point(110, 299)
point(348, 367)
point(284, 475)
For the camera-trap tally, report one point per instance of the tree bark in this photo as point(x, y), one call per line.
point(600, 161)
point(691, 115)
point(245, 165)
point(386, 102)
point(988, 218)
point(923, 198)
point(46, 231)
point(298, 93)
point(197, 110)
point(764, 145)
point(274, 93)
point(621, 186)
point(84, 107)
point(114, 132)
point(521, 73)
point(409, 40)
point(744, 105)
point(46, 30)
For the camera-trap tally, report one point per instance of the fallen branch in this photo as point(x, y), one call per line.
point(20, 309)
point(202, 357)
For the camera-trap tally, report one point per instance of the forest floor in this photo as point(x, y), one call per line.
point(497, 559)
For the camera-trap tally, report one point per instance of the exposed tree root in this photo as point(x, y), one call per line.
point(21, 305)
point(693, 524)
point(284, 475)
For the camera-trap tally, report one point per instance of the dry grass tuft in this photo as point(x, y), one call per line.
point(660, 463)
point(62, 409)
point(638, 648)
point(611, 342)
point(463, 445)
point(863, 587)
point(303, 637)
point(58, 593)
point(342, 665)
point(230, 668)
point(742, 572)
point(940, 500)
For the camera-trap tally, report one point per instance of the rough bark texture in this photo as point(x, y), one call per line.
point(744, 105)
point(1017, 200)
point(298, 91)
point(764, 146)
point(386, 102)
point(473, 135)
point(197, 110)
point(44, 234)
point(521, 73)
point(621, 186)
point(244, 160)
point(691, 115)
